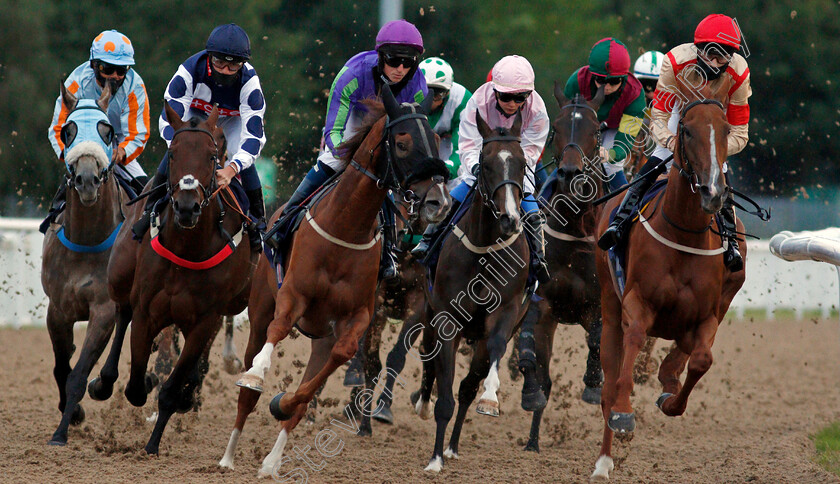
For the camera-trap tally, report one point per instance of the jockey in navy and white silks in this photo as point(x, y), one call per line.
point(395, 58)
point(221, 75)
point(111, 58)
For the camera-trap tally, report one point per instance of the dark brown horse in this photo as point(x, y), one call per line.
point(330, 285)
point(677, 286)
point(573, 295)
point(479, 291)
point(75, 256)
point(192, 253)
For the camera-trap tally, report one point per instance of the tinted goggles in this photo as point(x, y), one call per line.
point(517, 97)
point(108, 69)
point(399, 60)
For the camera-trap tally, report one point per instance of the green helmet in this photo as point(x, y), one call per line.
point(438, 73)
point(609, 57)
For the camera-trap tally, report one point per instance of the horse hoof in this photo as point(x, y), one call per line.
point(364, 432)
point(354, 378)
point(591, 395)
point(151, 381)
point(250, 382)
point(622, 423)
point(603, 466)
point(151, 449)
point(487, 407)
point(233, 366)
point(384, 415)
point(98, 390)
point(661, 400)
point(531, 402)
point(532, 446)
point(78, 416)
point(274, 408)
point(415, 395)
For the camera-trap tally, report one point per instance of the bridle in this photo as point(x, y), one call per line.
point(688, 171)
point(572, 144)
point(189, 182)
point(482, 182)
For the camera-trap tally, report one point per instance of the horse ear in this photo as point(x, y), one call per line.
point(559, 95)
point(392, 107)
point(213, 118)
point(172, 116)
point(596, 101)
point(483, 129)
point(68, 98)
point(105, 97)
point(722, 92)
point(516, 129)
point(426, 105)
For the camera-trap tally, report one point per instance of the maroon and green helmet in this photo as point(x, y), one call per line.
point(609, 57)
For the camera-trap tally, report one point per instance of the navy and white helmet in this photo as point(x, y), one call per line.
point(230, 41)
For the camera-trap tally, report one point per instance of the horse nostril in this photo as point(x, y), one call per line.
point(433, 203)
point(704, 191)
point(175, 205)
point(78, 179)
point(96, 181)
point(196, 208)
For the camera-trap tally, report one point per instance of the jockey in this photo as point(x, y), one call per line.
point(510, 92)
point(395, 61)
point(711, 59)
point(111, 58)
point(646, 70)
point(220, 75)
point(623, 107)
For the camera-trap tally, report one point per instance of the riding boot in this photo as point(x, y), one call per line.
point(257, 211)
point(142, 225)
point(432, 231)
point(615, 233)
point(138, 183)
point(728, 232)
point(535, 222)
point(388, 262)
point(56, 207)
point(314, 179)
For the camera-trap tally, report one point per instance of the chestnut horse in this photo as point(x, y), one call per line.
point(76, 251)
point(573, 295)
point(166, 279)
point(479, 291)
point(677, 286)
point(329, 291)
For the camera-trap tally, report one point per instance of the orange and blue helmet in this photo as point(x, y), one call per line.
point(113, 48)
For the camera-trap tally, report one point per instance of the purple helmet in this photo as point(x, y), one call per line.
point(399, 32)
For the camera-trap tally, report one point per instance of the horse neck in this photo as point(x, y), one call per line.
point(91, 225)
point(682, 205)
point(482, 226)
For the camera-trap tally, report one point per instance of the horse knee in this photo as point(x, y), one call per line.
point(635, 339)
point(700, 361)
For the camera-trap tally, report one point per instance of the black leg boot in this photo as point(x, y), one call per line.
point(56, 207)
point(615, 233)
point(422, 248)
point(142, 225)
point(728, 233)
point(535, 222)
point(388, 263)
point(257, 210)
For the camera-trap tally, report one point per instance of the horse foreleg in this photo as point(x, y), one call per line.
point(699, 363)
point(444, 363)
point(479, 366)
point(138, 386)
point(61, 336)
point(96, 338)
point(636, 319)
point(394, 364)
point(101, 387)
point(430, 347)
point(593, 377)
point(503, 322)
point(533, 398)
point(544, 336)
point(232, 363)
point(670, 370)
point(372, 366)
point(177, 392)
point(611, 351)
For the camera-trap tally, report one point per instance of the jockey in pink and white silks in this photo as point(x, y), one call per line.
point(220, 75)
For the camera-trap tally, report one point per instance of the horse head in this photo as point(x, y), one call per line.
point(193, 155)
point(502, 166)
point(87, 136)
point(577, 136)
point(413, 153)
point(701, 148)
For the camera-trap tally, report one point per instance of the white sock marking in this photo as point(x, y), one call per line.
point(491, 383)
point(227, 459)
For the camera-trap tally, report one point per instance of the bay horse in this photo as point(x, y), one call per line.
point(479, 291)
point(329, 290)
point(201, 273)
point(573, 295)
point(76, 250)
point(677, 286)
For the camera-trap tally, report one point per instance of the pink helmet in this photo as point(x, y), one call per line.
point(513, 73)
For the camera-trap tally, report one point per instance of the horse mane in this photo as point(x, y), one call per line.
point(91, 149)
point(376, 110)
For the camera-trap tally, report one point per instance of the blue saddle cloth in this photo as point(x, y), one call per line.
point(618, 254)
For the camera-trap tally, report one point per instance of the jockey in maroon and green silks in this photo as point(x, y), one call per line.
point(624, 104)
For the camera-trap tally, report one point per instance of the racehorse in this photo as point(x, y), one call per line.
point(677, 286)
point(76, 250)
point(169, 284)
point(479, 290)
point(329, 289)
point(572, 296)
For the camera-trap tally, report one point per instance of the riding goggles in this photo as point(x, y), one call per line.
point(399, 60)
point(517, 97)
point(108, 69)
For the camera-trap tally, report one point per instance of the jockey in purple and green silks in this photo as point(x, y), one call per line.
point(623, 108)
point(395, 60)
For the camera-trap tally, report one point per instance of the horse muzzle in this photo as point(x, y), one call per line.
point(87, 186)
point(187, 211)
point(711, 199)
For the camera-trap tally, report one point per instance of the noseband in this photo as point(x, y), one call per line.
point(572, 144)
point(487, 194)
point(688, 171)
point(189, 182)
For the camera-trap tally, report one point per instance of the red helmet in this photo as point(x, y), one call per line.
point(718, 28)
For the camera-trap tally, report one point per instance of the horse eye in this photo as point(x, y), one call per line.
point(402, 146)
